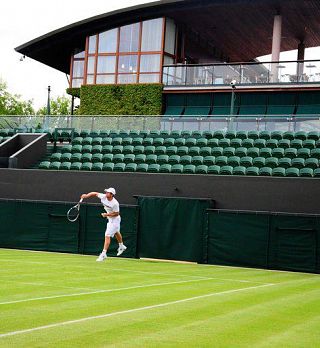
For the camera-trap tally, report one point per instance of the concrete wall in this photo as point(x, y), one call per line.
point(293, 195)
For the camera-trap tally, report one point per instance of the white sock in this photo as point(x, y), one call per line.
point(120, 245)
point(104, 252)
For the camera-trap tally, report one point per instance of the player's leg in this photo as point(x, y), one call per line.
point(121, 247)
point(110, 232)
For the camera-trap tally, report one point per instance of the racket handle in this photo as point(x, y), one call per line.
point(81, 200)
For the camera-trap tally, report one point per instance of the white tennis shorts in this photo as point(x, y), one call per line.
point(112, 228)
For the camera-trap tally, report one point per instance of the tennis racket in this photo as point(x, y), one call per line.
point(73, 213)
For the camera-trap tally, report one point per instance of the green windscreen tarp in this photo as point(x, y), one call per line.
point(172, 228)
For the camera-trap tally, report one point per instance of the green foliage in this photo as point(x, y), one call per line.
point(59, 106)
point(140, 99)
point(75, 92)
point(11, 104)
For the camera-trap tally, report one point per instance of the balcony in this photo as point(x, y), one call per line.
point(246, 75)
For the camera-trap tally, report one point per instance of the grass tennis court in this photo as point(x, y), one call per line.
point(62, 300)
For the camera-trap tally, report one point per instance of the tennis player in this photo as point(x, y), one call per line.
point(111, 206)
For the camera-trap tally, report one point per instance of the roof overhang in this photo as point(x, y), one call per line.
point(241, 29)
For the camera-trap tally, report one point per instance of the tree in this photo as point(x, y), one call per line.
point(12, 104)
point(59, 106)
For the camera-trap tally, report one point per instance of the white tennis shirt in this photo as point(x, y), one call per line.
point(110, 207)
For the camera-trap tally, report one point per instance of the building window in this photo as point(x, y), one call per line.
point(106, 65)
point(149, 78)
point(170, 37)
point(108, 41)
point(92, 44)
point(90, 66)
point(128, 64)
point(129, 38)
point(150, 63)
point(127, 78)
point(105, 79)
point(152, 35)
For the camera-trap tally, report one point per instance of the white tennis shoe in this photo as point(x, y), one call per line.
point(101, 257)
point(121, 249)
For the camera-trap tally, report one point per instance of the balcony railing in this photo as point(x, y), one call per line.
point(245, 74)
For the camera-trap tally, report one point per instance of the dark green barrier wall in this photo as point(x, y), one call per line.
point(172, 228)
point(44, 226)
point(287, 242)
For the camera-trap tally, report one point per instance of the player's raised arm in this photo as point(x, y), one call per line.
point(89, 195)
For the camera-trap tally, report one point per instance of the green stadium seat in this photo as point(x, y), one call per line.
point(123, 133)
point(189, 169)
point(44, 165)
point(171, 150)
point(314, 135)
point(178, 142)
point(176, 134)
point(160, 150)
point(215, 170)
point(154, 133)
point(76, 157)
point(208, 134)
point(279, 172)
point(65, 166)
point(265, 171)
point(288, 135)
point(207, 160)
point(304, 153)
point(66, 157)
point(194, 151)
point(153, 168)
point(315, 153)
point(301, 135)
point(239, 170)
point(139, 149)
point(140, 158)
point(144, 133)
point(171, 142)
point(84, 133)
point(218, 134)
point(129, 158)
point(276, 135)
point(246, 161)
point(202, 169)
point(108, 157)
point(119, 167)
point(117, 141)
point(266, 135)
point(131, 167)
point(96, 149)
point(284, 143)
point(197, 134)
point(272, 162)
point(229, 151)
point(184, 160)
point(177, 168)
point(202, 142)
point(108, 167)
point(242, 135)
point(253, 135)
point(241, 151)
point(127, 141)
point(77, 141)
point(190, 142)
point(106, 141)
point(272, 143)
point(66, 148)
point(236, 143)
point(234, 161)
point(252, 171)
point(290, 152)
point(247, 143)
point(114, 133)
point(118, 158)
point(217, 151)
point(205, 151)
point(197, 160)
point(296, 143)
point(96, 141)
point(75, 166)
point(55, 157)
point(151, 159)
point(224, 142)
point(104, 133)
point(163, 159)
point(306, 172)
point(97, 157)
point(95, 134)
point(87, 141)
point(165, 133)
point(312, 163)
point(174, 159)
point(253, 152)
point(278, 152)
point(165, 168)
point(284, 162)
point(298, 162)
point(186, 134)
point(137, 141)
point(230, 135)
point(226, 170)
point(309, 144)
point(86, 148)
point(142, 168)
point(128, 149)
point(183, 150)
point(292, 172)
point(117, 149)
point(213, 142)
point(158, 142)
point(86, 166)
point(259, 143)
point(259, 162)
point(149, 150)
point(221, 161)
point(86, 157)
point(316, 173)
point(265, 152)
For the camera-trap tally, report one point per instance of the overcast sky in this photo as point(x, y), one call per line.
point(22, 21)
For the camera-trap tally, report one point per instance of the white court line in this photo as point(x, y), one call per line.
point(103, 291)
point(13, 333)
